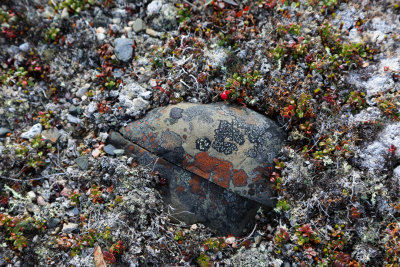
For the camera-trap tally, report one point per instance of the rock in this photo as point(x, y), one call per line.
point(109, 149)
point(145, 94)
point(153, 33)
point(133, 107)
point(24, 47)
point(73, 119)
point(73, 110)
point(83, 90)
point(70, 228)
point(52, 135)
point(133, 90)
point(66, 192)
point(216, 158)
point(83, 163)
point(53, 222)
point(123, 49)
point(374, 156)
point(100, 36)
point(31, 195)
point(35, 130)
point(96, 153)
point(40, 200)
point(100, 30)
point(139, 25)
point(4, 131)
point(116, 20)
point(396, 172)
point(64, 14)
point(91, 108)
point(154, 7)
point(119, 152)
point(166, 19)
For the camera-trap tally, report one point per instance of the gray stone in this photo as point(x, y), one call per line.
point(154, 7)
point(83, 90)
point(31, 195)
point(91, 108)
point(166, 19)
point(73, 119)
point(119, 152)
point(374, 156)
point(139, 25)
point(53, 222)
point(52, 135)
point(24, 47)
point(123, 49)
point(75, 110)
point(100, 36)
point(109, 149)
point(133, 107)
point(64, 14)
point(70, 228)
point(83, 163)
point(35, 130)
point(215, 157)
point(4, 131)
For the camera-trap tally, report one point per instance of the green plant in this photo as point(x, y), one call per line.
point(237, 85)
point(183, 12)
point(75, 198)
point(74, 6)
point(306, 235)
point(178, 236)
point(16, 227)
point(389, 105)
point(45, 118)
point(282, 205)
point(300, 107)
point(356, 100)
point(281, 237)
point(95, 194)
point(89, 239)
point(214, 244)
point(110, 84)
point(51, 34)
point(204, 260)
point(291, 28)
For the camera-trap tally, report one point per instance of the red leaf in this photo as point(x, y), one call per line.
point(109, 257)
point(239, 14)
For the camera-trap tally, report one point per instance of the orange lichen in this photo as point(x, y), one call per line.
point(239, 178)
point(212, 168)
point(195, 186)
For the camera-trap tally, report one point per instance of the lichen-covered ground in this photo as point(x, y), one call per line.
point(327, 71)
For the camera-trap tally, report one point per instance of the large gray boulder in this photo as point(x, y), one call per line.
point(215, 157)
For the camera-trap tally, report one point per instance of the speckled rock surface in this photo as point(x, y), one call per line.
point(215, 157)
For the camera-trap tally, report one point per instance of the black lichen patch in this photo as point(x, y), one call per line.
point(203, 144)
point(176, 113)
point(227, 130)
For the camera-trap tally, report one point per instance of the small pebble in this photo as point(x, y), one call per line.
point(109, 149)
point(41, 201)
point(119, 152)
point(73, 119)
point(4, 131)
point(36, 129)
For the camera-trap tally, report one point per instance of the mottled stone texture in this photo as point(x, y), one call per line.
point(215, 157)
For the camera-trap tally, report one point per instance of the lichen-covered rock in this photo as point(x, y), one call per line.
point(215, 157)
